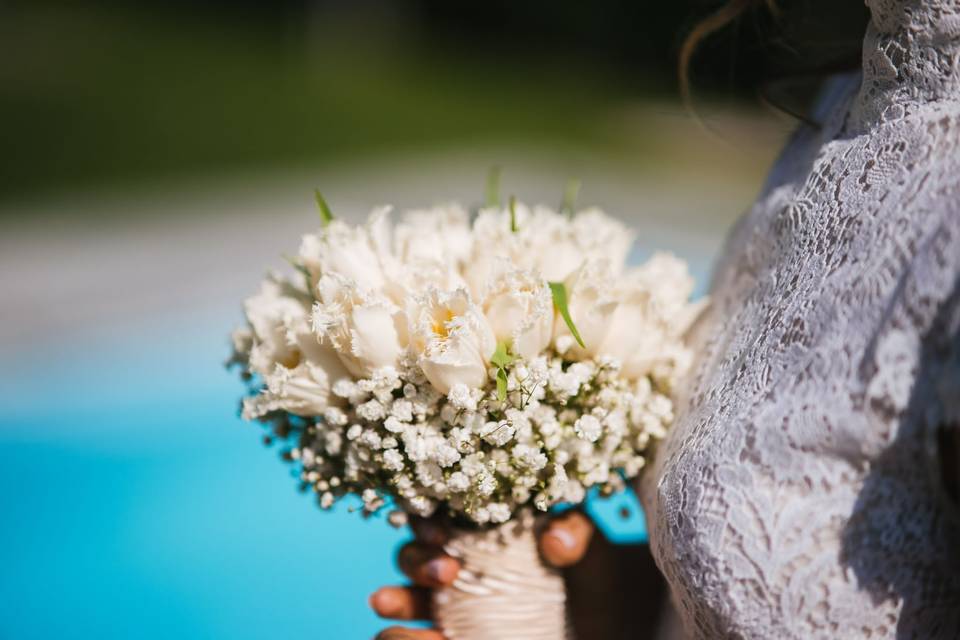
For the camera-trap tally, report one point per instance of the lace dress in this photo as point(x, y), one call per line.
point(797, 496)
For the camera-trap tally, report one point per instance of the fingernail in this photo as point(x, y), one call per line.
point(377, 602)
point(435, 570)
point(564, 537)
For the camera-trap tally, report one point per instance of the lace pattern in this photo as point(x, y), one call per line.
point(792, 499)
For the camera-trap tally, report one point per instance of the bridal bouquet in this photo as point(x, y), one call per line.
point(485, 368)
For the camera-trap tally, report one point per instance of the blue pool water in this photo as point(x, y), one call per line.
point(136, 504)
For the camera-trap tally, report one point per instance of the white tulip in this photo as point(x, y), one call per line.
point(360, 255)
point(298, 371)
point(591, 299)
point(271, 314)
point(304, 390)
point(670, 284)
point(441, 234)
point(493, 241)
point(364, 327)
point(651, 315)
point(554, 244)
point(634, 334)
point(519, 308)
point(452, 338)
point(600, 236)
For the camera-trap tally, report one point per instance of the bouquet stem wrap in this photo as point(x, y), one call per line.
point(504, 591)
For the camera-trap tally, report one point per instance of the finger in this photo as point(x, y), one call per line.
point(402, 633)
point(566, 538)
point(427, 566)
point(401, 603)
point(430, 531)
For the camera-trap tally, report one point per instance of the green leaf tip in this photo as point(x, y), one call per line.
point(493, 187)
point(296, 264)
point(559, 292)
point(501, 384)
point(570, 193)
point(513, 215)
point(502, 359)
point(326, 216)
point(302, 270)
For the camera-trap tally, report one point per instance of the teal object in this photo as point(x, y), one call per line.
point(619, 516)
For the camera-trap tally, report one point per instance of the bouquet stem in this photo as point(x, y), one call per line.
point(504, 591)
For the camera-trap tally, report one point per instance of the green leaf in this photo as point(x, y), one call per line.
point(326, 216)
point(570, 193)
point(493, 187)
point(513, 215)
point(559, 292)
point(501, 357)
point(501, 384)
point(296, 264)
point(300, 268)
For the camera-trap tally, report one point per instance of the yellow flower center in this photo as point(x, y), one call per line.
point(441, 326)
point(292, 359)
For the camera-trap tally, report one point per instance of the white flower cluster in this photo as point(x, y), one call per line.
point(477, 368)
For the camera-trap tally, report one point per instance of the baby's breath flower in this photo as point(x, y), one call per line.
point(446, 455)
point(335, 416)
point(397, 518)
point(499, 512)
point(497, 433)
point(486, 484)
point(333, 443)
point(392, 460)
point(422, 506)
point(458, 481)
point(402, 410)
point(527, 457)
point(371, 411)
point(393, 425)
point(588, 427)
point(462, 398)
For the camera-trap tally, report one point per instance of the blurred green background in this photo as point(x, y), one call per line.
point(106, 93)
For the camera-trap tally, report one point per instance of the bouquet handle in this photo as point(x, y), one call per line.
point(504, 591)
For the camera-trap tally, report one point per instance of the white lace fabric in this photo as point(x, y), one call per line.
point(792, 498)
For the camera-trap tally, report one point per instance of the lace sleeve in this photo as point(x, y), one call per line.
point(793, 497)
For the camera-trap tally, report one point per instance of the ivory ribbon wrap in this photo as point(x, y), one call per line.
point(504, 591)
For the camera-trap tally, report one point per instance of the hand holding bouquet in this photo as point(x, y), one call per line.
point(486, 370)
